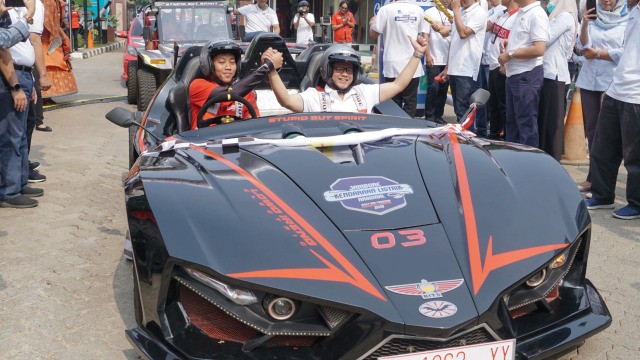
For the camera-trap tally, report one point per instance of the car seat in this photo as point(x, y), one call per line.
point(178, 96)
point(289, 73)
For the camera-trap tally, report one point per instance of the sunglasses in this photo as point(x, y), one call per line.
point(344, 8)
point(342, 70)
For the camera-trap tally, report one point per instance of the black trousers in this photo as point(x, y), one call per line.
point(551, 118)
point(436, 94)
point(75, 38)
point(497, 111)
point(616, 139)
point(408, 96)
point(590, 111)
point(35, 115)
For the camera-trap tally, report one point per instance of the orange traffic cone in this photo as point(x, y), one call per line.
point(575, 149)
point(90, 40)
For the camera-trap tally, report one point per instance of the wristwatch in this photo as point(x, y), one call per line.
point(511, 53)
point(15, 87)
point(418, 55)
point(29, 20)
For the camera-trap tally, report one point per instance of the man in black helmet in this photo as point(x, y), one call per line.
point(220, 63)
point(339, 69)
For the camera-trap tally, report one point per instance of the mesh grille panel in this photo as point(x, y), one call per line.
point(399, 346)
point(333, 316)
point(213, 321)
point(219, 325)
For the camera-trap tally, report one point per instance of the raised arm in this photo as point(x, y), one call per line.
point(389, 90)
point(292, 102)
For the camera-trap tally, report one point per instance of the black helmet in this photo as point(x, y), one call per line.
point(213, 48)
point(303, 3)
point(339, 53)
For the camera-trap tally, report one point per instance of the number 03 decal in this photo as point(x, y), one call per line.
point(386, 240)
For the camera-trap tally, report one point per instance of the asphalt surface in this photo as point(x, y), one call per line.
point(66, 291)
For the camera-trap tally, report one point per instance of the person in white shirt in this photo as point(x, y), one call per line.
point(522, 59)
point(563, 25)
point(500, 28)
point(467, 35)
point(16, 92)
point(618, 130)
point(303, 23)
point(339, 68)
point(600, 42)
point(436, 60)
point(400, 21)
point(259, 17)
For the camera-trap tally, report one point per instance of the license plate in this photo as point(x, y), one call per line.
point(499, 350)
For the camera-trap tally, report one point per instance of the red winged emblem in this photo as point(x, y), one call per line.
point(426, 289)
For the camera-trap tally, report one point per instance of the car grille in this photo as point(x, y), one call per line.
point(219, 325)
point(398, 346)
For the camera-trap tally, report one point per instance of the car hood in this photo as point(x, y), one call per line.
point(398, 227)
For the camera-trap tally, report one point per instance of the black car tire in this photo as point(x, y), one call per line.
point(146, 88)
point(133, 155)
point(132, 82)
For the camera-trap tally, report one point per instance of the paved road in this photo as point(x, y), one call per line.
point(66, 292)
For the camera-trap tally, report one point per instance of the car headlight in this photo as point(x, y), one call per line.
point(131, 50)
point(543, 283)
point(238, 296)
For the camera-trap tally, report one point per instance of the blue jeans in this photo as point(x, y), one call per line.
point(14, 161)
point(523, 96)
point(481, 114)
point(461, 89)
point(249, 36)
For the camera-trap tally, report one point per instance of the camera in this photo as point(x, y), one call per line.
point(300, 12)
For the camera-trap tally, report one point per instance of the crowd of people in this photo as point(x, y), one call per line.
point(518, 51)
point(34, 64)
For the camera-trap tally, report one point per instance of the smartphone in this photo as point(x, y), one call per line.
point(14, 3)
point(591, 4)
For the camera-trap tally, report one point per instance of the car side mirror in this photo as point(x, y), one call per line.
point(121, 34)
point(480, 97)
point(121, 117)
point(147, 33)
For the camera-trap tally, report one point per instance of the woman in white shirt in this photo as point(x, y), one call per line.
point(563, 25)
point(600, 41)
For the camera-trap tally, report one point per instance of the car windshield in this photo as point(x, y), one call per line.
point(193, 24)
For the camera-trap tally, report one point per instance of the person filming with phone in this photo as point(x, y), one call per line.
point(600, 42)
point(303, 23)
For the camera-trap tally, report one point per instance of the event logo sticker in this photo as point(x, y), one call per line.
point(438, 309)
point(370, 194)
point(426, 289)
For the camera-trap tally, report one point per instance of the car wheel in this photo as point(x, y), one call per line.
point(137, 306)
point(132, 82)
point(133, 154)
point(146, 88)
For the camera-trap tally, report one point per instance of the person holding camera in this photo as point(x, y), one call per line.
point(303, 23)
point(342, 24)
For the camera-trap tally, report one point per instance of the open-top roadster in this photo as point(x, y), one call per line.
point(350, 236)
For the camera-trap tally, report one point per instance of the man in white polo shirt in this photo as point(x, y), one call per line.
point(522, 59)
point(398, 21)
point(259, 17)
point(467, 36)
point(618, 130)
point(436, 60)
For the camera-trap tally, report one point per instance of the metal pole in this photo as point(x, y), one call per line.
point(86, 27)
point(99, 22)
point(68, 16)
